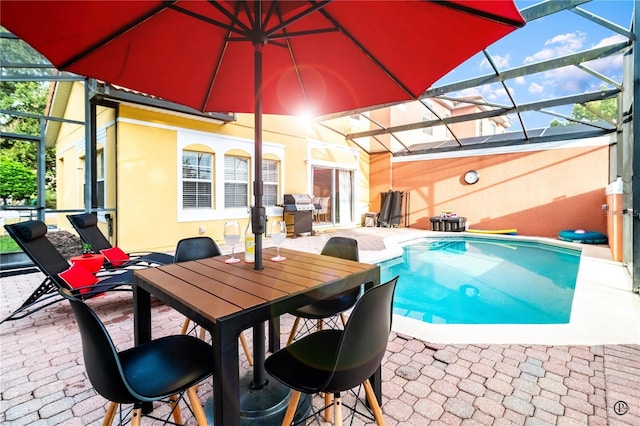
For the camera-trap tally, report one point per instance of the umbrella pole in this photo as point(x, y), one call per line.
point(258, 216)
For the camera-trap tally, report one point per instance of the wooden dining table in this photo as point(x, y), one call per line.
point(229, 298)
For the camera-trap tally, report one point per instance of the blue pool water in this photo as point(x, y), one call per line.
point(471, 280)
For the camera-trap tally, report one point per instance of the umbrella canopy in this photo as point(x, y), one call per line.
point(319, 56)
point(275, 57)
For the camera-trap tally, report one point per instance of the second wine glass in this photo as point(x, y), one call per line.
point(278, 230)
point(232, 237)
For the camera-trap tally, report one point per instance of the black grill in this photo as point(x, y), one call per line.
point(298, 214)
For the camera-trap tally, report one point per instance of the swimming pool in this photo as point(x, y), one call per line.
point(479, 280)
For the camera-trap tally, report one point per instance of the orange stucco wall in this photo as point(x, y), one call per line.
point(538, 192)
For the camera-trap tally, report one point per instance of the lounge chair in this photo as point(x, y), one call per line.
point(86, 225)
point(31, 237)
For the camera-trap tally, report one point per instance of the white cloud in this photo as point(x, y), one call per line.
point(536, 88)
point(502, 62)
point(472, 91)
point(573, 41)
point(610, 40)
point(498, 95)
point(560, 45)
point(520, 80)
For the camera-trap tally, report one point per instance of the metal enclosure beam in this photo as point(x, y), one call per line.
point(635, 126)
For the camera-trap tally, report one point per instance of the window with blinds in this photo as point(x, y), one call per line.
point(236, 181)
point(100, 192)
point(270, 182)
point(197, 179)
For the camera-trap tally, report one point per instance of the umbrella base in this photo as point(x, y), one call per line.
point(266, 406)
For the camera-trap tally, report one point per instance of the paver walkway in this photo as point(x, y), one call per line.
point(43, 381)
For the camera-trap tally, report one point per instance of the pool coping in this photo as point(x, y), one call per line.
point(604, 308)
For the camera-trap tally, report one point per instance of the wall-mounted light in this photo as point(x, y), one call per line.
point(471, 177)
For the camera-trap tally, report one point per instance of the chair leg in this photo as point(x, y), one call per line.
point(202, 334)
point(196, 406)
point(373, 403)
point(292, 335)
point(327, 411)
point(136, 416)
point(175, 409)
point(245, 347)
point(111, 413)
point(291, 408)
point(337, 409)
point(185, 326)
point(319, 324)
point(343, 317)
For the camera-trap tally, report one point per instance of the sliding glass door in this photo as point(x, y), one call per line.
point(333, 190)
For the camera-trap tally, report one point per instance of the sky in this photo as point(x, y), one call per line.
point(555, 35)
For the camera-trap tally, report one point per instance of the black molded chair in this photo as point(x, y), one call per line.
point(195, 248)
point(333, 361)
point(154, 371)
point(86, 225)
point(31, 237)
point(325, 311)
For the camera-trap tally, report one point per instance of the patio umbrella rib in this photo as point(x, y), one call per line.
point(110, 37)
point(231, 26)
point(293, 19)
point(214, 74)
point(368, 54)
point(479, 13)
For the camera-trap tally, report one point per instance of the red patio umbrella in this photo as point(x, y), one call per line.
point(320, 57)
point(274, 57)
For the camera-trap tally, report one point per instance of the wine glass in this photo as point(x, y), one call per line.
point(232, 237)
point(278, 229)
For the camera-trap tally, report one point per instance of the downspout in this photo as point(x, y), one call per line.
point(41, 154)
point(89, 147)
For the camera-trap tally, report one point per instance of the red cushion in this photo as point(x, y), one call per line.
point(115, 256)
point(78, 276)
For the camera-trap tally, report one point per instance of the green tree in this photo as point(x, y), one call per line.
point(605, 109)
point(557, 123)
point(17, 181)
point(23, 97)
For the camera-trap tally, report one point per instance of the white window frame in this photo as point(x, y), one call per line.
point(232, 178)
point(198, 179)
point(220, 145)
point(100, 179)
point(269, 182)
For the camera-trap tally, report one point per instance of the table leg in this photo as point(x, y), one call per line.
point(142, 325)
point(226, 377)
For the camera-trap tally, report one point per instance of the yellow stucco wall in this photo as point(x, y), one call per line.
point(143, 149)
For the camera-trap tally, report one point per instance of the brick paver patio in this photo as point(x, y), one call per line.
point(43, 380)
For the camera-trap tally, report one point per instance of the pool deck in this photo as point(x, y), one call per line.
point(441, 375)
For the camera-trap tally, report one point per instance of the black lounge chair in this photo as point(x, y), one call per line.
point(86, 225)
point(31, 237)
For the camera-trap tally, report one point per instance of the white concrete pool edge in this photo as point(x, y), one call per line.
point(604, 309)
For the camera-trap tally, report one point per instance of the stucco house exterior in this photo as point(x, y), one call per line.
point(164, 175)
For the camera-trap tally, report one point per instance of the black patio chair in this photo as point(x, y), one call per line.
point(86, 225)
point(31, 237)
point(159, 370)
point(195, 248)
point(334, 361)
point(325, 311)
